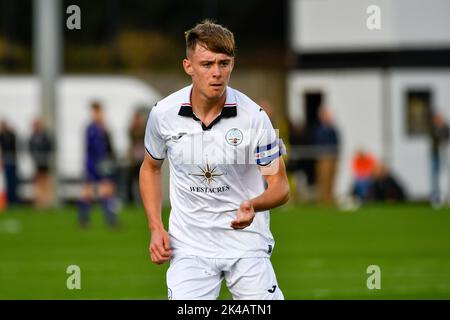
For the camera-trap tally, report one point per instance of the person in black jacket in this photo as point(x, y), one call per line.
point(9, 158)
point(385, 187)
point(41, 148)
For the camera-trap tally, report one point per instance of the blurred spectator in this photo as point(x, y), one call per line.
point(326, 139)
point(363, 168)
point(9, 158)
point(301, 161)
point(41, 149)
point(136, 134)
point(99, 170)
point(385, 187)
point(439, 135)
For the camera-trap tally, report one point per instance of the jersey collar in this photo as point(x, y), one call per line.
point(229, 110)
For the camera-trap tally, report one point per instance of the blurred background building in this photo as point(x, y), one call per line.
point(380, 86)
point(127, 55)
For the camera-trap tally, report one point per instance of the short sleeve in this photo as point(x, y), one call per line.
point(154, 142)
point(267, 146)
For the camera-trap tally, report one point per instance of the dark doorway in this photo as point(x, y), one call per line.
point(312, 102)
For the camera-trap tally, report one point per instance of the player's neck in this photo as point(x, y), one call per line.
point(207, 109)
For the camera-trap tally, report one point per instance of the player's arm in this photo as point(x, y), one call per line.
point(276, 194)
point(151, 193)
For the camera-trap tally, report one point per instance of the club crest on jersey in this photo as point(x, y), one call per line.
point(234, 137)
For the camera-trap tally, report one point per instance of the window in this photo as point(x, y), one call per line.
point(418, 111)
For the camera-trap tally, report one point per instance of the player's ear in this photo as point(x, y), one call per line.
point(187, 65)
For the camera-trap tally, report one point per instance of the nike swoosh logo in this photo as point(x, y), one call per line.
point(273, 289)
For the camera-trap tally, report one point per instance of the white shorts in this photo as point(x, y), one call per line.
point(198, 278)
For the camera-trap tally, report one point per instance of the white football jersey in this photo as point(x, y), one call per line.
point(212, 170)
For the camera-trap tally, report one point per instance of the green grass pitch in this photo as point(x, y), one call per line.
point(320, 253)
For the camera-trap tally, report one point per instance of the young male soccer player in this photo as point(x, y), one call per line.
point(220, 146)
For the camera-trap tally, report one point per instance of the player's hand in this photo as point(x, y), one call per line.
point(160, 246)
point(244, 217)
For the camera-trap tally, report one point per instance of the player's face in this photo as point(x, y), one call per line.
point(210, 71)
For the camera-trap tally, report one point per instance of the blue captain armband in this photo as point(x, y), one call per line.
point(266, 154)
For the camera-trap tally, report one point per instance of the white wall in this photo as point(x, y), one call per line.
point(410, 155)
point(355, 98)
point(119, 97)
point(370, 109)
point(333, 25)
point(19, 105)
